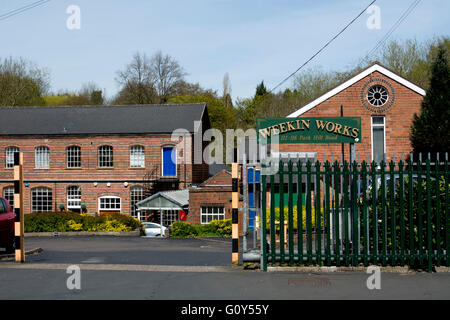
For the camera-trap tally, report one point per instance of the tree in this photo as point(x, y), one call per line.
point(430, 131)
point(22, 83)
point(261, 89)
point(149, 80)
point(93, 93)
point(89, 94)
point(410, 59)
point(220, 116)
point(226, 94)
point(138, 82)
point(167, 73)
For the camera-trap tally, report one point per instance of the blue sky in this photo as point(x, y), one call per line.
point(252, 40)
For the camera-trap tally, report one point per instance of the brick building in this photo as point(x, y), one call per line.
point(386, 104)
point(99, 159)
point(211, 200)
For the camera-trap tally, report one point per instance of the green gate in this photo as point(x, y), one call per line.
point(347, 214)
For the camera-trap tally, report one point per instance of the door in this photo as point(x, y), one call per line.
point(169, 166)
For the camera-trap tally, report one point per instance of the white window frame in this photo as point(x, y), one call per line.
point(73, 155)
point(9, 160)
point(384, 133)
point(74, 197)
point(169, 217)
point(42, 157)
point(44, 191)
point(109, 209)
point(162, 160)
point(135, 198)
point(102, 153)
point(8, 194)
point(137, 156)
point(210, 215)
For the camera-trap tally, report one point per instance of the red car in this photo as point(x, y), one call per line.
point(6, 226)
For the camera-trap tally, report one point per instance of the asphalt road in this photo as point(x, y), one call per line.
point(130, 250)
point(186, 269)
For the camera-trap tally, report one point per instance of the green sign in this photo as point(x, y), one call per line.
point(310, 130)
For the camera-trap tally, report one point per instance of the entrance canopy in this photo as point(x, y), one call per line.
point(165, 200)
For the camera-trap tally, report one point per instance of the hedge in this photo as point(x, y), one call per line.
point(216, 228)
point(295, 216)
point(66, 222)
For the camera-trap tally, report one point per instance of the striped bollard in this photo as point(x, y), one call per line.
point(235, 208)
point(18, 207)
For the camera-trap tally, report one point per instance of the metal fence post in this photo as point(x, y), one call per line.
point(245, 199)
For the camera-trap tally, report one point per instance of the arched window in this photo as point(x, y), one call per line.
point(169, 161)
point(10, 151)
point(41, 199)
point(137, 193)
point(74, 198)
point(137, 157)
point(105, 157)
point(73, 157)
point(42, 157)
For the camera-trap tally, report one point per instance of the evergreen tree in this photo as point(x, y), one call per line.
point(430, 131)
point(261, 89)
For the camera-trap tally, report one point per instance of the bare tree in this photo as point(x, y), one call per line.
point(226, 85)
point(151, 80)
point(92, 92)
point(137, 82)
point(226, 96)
point(167, 73)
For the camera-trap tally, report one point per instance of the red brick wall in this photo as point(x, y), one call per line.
point(216, 191)
point(59, 177)
point(398, 120)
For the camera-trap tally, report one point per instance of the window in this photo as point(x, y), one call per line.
point(136, 194)
point(378, 139)
point(137, 157)
point(169, 217)
point(211, 213)
point(105, 157)
point(109, 203)
point(42, 157)
point(377, 96)
point(8, 194)
point(41, 199)
point(74, 198)
point(73, 157)
point(10, 151)
point(169, 163)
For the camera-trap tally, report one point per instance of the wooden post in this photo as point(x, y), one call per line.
point(18, 207)
point(235, 208)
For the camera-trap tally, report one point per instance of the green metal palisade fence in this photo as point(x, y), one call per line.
point(357, 213)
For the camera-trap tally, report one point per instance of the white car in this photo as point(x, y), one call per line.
point(154, 229)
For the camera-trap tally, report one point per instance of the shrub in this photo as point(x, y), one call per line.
point(294, 210)
point(181, 229)
point(63, 222)
point(412, 213)
point(216, 228)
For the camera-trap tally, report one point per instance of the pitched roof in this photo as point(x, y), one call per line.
point(215, 168)
point(350, 82)
point(93, 120)
point(173, 199)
